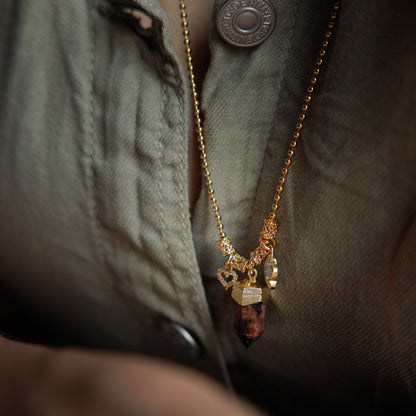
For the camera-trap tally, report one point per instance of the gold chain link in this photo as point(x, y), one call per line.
point(266, 240)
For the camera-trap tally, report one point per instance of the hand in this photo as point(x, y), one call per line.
point(36, 381)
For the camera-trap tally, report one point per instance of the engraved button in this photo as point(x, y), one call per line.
point(246, 23)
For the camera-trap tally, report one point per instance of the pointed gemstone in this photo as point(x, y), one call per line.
point(249, 322)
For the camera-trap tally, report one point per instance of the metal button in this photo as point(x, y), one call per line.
point(181, 339)
point(243, 23)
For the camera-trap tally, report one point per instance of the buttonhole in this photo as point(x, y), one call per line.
point(144, 19)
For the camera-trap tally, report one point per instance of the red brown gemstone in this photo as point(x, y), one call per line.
point(249, 322)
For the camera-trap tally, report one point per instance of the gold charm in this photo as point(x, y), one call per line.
point(246, 293)
point(224, 277)
point(270, 271)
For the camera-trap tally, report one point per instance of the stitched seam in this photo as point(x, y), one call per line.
point(162, 217)
point(97, 235)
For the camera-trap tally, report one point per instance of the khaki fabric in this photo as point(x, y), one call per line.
point(96, 243)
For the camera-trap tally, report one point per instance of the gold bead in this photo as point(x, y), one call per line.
point(287, 162)
point(290, 153)
point(319, 62)
point(296, 135)
point(328, 34)
point(305, 107)
point(208, 183)
point(222, 234)
point(221, 227)
point(333, 15)
point(316, 71)
point(211, 191)
point(215, 208)
point(274, 207)
point(313, 80)
point(302, 115)
point(299, 126)
point(308, 98)
point(277, 198)
point(279, 189)
point(325, 43)
point(293, 144)
point(203, 155)
point(331, 25)
point(336, 6)
point(282, 180)
point(322, 52)
point(205, 164)
point(310, 89)
point(218, 217)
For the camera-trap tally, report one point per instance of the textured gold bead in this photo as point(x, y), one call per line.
point(293, 143)
point(279, 189)
point(284, 171)
point(302, 115)
point(295, 135)
point(299, 125)
point(274, 207)
point(290, 153)
point(277, 198)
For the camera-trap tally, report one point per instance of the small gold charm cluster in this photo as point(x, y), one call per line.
point(227, 275)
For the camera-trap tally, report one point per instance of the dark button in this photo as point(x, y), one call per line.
point(243, 25)
point(181, 339)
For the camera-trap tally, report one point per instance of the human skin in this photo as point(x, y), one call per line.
point(40, 381)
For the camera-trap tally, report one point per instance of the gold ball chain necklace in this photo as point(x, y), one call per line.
point(251, 295)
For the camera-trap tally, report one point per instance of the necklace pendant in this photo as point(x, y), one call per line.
point(251, 310)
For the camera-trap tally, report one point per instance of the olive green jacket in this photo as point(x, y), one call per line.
point(97, 247)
